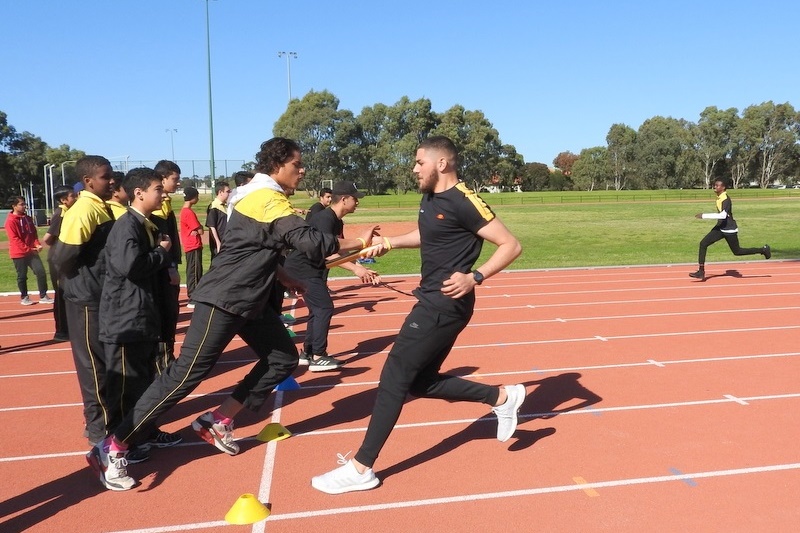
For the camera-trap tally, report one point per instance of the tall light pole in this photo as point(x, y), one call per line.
point(63, 180)
point(210, 110)
point(171, 132)
point(48, 174)
point(50, 199)
point(289, 56)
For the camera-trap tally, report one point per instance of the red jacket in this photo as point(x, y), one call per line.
point(22, 237)
point(189, 223)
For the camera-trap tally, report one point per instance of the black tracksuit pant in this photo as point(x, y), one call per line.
point(209, 333)
point(733, 242)
point(412, 367)
point(320, 312)
point(90, 366)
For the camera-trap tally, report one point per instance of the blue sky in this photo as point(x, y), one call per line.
point(110, 77)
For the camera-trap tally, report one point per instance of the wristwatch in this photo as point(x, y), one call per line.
point(477, 276)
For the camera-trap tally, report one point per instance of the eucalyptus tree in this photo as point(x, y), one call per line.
point(777, 126)
point(478, 143)
point(621, 152)
point(591, 170)
point(313, 121)
point(713, 139)
point(408, 123)
point(510, 166)
point(660, 143)
point(535, 176)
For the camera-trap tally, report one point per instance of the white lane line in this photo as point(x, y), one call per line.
point(591, 410)
point(498, 324)
point(735, 399)
point(265, 487)
point(614, 483)
point(648, 362)
point(595, 411)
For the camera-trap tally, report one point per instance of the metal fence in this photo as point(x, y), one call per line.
point(199, 169)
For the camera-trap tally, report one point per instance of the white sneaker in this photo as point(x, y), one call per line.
point(345, 479)
point(26, 301)
point(111, 468)
point(190, 305)
point(46, 300)
point(507, 413)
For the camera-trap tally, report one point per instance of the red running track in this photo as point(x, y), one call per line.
point(655, 403)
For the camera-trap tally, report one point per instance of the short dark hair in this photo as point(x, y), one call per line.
point(724, 181)
point(242, 177)
point(165, 167)
point(139, 178)
point(274, 153)
point(118, 178)
point(439, 142)
point(220, 186)
point(325, 190)
point(61, 192)
point(14, 200)
point(87, 164)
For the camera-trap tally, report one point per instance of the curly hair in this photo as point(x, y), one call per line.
point(274, 153)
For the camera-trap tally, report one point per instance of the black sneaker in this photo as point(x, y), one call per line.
point(138, 454)
point(323, 363)
point(700, 274)
point(304, 358)
point(162, 439)
point(60, 337)
point(766, 251)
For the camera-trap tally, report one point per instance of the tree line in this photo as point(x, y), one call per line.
point(376, 148)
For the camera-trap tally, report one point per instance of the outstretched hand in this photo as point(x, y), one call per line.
point(367, 275)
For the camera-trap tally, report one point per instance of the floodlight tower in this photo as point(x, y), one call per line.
point(171, 132)
point(289, 56)
point(210, 109)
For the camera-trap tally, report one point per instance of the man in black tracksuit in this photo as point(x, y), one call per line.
point(232, 299)
point(452, 226)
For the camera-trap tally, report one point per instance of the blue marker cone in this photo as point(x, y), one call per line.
point(288, 384)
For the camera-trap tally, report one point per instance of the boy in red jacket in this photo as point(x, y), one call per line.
point(191, 238)
point(24, 248)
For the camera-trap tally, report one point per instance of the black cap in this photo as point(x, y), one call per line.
point(347, 188)
point(190, 193)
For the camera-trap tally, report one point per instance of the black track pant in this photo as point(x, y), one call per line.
point(733, 242)
point(130, 372)
point(320, 312)
point(412, 367)
point(194, 270)
point(90, 366)
point(209, 333)
point(59, 304)
point(34, 262)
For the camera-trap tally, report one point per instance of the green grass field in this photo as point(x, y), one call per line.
point(582, 229)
